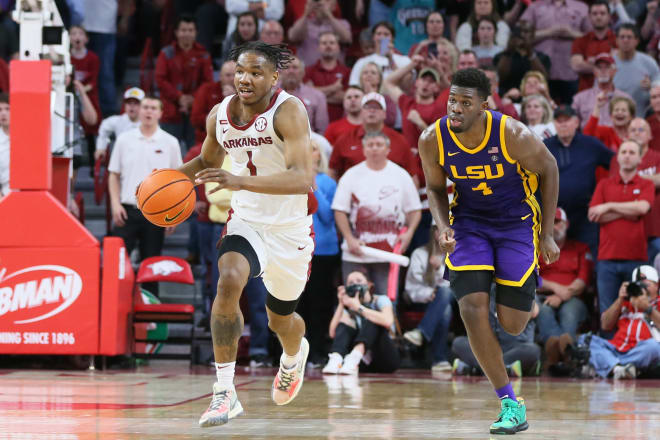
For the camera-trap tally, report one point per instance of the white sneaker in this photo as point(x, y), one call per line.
point(441, 367)
point(627, 371)
point(415, 337)
point(333, 365)
point(351, 365)
point(224, 407)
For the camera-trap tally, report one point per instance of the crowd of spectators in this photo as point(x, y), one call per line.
point(373, 74)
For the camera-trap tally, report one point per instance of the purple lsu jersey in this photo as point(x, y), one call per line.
point(494, 214)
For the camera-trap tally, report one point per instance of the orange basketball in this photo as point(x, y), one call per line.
point(166, 197)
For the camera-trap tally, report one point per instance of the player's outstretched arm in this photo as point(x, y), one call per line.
point(436, 186)
point(532, 154)
point(212, 154)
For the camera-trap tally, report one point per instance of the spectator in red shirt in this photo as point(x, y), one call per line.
point(640, 131)
point(600, 40)
point(347, 151)
point(418, 111)
point(86, 66)
point(622, 110)
point(208, 95)
point(314, 100)
point(329, 75)
point(561, 309)
point(619, 204)
point(634, 314)
point(181, 68)
point(654, 119)
point(353, 111)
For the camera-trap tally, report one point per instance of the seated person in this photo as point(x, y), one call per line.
point(360, 330)
point(636, 316)
point(561, 309)
point(521, 354)
point(425, 285)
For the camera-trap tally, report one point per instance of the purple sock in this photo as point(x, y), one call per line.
point(506, 392)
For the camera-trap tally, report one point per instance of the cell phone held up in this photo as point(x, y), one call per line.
point(432, 49)
point(384, 46)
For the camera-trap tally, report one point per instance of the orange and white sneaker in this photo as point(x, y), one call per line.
point(287, 383)
point(224, 407)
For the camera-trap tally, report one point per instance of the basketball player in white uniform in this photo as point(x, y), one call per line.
point(269, 232)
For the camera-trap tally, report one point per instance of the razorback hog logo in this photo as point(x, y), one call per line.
point(165, 267)
point(35, 288)
point(246, 142)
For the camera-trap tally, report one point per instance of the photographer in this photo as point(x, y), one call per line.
point(362, 321)
point(636, 316)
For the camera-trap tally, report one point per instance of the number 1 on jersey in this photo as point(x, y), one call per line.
point(483, 187)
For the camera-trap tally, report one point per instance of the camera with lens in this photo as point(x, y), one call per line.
point(635, 289)
point(357, 289)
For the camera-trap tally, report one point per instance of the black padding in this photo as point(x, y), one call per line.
point(239, 244)
point(464, 282)
point(279, 306)
point(519, 298)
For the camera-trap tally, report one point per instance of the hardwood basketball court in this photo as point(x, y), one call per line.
point(165, 400)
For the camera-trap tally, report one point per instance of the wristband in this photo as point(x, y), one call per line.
point(361, 309)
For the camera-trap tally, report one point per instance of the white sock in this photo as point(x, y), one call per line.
point(225, 374)
point(289, 362)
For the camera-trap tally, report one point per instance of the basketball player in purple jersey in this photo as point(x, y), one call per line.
point(494, 229)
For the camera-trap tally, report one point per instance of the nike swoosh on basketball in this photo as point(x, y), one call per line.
point(523, 218)
point(301, 248)
point(225, 130)
point(453, 154)
point(169, 219)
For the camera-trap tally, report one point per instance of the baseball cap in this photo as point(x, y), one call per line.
point(604, 57)
point(560, 214)
point(430, 71)
point(648, 272)
point(134, 93)
point(564, 110)
point(374, 96)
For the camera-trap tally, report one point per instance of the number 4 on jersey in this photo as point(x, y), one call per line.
point(483, 187)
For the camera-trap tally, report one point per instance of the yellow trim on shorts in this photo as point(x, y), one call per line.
point(505, 152)
point(468, 266)
point(441, 148)
point(489, 125)
point(526, 177)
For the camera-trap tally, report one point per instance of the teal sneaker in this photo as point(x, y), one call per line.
point(512, 419)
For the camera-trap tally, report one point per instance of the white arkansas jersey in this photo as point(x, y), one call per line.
point(256, 150)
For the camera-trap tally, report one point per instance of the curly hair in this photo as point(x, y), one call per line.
point(279, 55)
point(472, 78)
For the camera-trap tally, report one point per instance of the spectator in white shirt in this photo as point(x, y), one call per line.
point(537, 114)
point(4, 144)
point(374, 200)
point(136, 154)
point(115, 125)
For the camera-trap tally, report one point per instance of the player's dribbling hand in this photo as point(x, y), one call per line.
point(549, 249)
point(446, 241)
point(225, 179)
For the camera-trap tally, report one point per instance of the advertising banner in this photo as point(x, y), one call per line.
point(49, 300)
